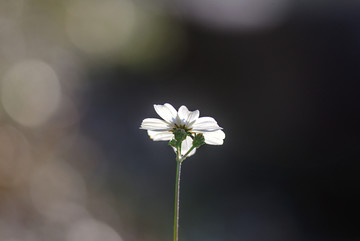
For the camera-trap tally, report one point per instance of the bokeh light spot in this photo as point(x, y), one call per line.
point(156, 41)
point(99, 27)
point(30, 92)
point(246, 15)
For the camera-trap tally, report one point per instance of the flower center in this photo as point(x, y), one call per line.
point(181, 127)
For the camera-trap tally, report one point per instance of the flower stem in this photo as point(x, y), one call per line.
point(179, 160)
point(186, 154)
point(177, 195)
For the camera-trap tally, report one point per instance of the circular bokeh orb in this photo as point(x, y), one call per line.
point(30, 92)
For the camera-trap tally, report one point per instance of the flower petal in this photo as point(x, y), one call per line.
point(205, 124)
point(160, 135)
point(155, 124)
point(214, 137)
point(167, 112)
point(192, 117)
point(185, 147)
point(183, 114)
point(186, 117)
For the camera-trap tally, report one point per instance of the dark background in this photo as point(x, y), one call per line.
point(284, 89)
point(288, 100)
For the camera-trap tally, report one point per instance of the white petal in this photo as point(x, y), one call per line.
point(155, 125)
point(183, 114)
point(185, 147)
point(214, 137)
point(160, 135)
point(167, 112)
point(204, 124)
point(192, 117)
point(186, 117)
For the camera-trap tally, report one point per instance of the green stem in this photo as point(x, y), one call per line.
point(177, 194)
point(186, 154)
point(179, 160)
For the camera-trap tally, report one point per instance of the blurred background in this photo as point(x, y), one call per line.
point(281, 77)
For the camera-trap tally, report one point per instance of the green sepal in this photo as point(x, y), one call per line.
point(180, 135)
point(198, 140)
point(173, 143)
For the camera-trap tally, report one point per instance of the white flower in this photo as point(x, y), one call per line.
point(162, 130)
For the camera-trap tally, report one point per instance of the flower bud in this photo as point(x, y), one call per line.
point(198, 140)
point(180, 135)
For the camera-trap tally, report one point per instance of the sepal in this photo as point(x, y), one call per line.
point(198, 140)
